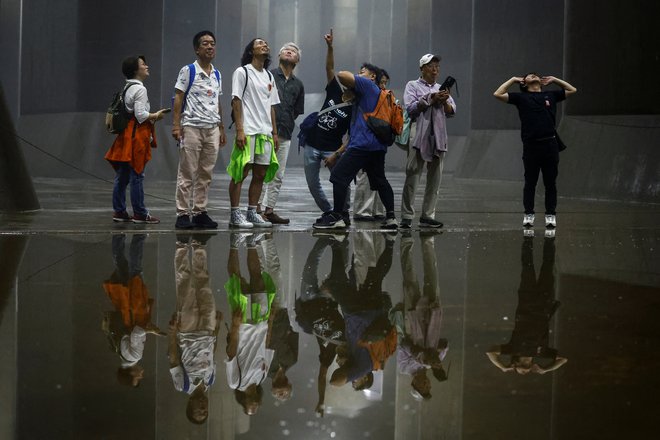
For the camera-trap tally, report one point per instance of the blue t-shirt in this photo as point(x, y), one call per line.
point(366, 94)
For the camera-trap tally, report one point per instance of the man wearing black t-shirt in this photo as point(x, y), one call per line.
point(537, 109)
point(326, 137)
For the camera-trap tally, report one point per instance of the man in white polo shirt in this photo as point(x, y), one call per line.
point(199, 129)
point(254, 95)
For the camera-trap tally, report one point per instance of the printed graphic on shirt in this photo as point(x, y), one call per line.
point(201, 108)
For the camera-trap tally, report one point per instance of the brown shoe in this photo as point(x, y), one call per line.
point(276, 219)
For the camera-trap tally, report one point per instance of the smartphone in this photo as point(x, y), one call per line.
point(166, 110)
point(448, 83)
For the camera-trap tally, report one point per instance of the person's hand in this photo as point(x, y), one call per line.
point(276, 142)
point(152, 329)
point(518, 79)
point(177, 133)
point(223, 137)
point(320, 408)
point(439, 97)
point(331, 160)
point(328, 38)
point(545, 80)
point(240, 139)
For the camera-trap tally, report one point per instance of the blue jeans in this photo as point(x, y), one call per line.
point(313, 160)
point(124, 175)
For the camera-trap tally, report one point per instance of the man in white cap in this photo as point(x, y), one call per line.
point(292, 104)
point(429, 107)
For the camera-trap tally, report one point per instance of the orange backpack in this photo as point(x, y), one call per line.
point(386, 121)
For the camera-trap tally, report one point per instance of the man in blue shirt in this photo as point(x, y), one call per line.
point(364, 151)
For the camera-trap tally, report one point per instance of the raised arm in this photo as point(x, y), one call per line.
point(501, 92)
point(329, 57)
point(347, 79)
point(560, 82)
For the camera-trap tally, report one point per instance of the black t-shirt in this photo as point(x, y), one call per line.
point(537, 111)
point(331, 126)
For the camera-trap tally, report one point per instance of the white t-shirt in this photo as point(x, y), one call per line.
point(201, 109)
point(260, 95)
point(136, 100)
point(197, 362)
point(252, 361)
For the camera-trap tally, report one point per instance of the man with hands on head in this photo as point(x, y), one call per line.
point(537, 109)
point(199, 129)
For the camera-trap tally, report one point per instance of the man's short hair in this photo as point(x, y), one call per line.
point(294, 47)
point(130, 66)
point(375, 69)
point(198, 36)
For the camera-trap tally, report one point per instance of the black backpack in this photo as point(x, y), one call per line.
point(117, 117)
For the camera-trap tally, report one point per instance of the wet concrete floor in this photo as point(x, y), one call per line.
point(522, 334)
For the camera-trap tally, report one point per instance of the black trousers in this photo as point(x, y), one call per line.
point(541, 157)
point(344, 171)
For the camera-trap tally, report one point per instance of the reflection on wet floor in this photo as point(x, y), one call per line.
point(366, 334)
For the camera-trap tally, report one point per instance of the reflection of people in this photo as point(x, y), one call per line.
point(419, 319)
point(317, 313)
point(371, 338)
point(127, 326)
point(528, 349)
point(131, 149)
point(193, 328)
point(249, 355)
point(537, 109)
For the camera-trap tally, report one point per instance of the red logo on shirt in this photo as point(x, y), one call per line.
point(270, 87)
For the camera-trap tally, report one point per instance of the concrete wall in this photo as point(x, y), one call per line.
point(64, 64)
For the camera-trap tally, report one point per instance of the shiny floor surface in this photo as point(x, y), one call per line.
point(477, 331)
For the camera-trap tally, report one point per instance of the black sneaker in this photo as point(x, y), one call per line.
point(183, 222)
point(406, 223)
point(203, 221)
point(426, 222)
point(389, 223)
point(330, 220)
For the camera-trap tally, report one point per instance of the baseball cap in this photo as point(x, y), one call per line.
point(427, 59)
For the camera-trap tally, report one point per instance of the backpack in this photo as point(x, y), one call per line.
point(191, 78)
point(117, 116)
point(270, 78)
point(386, 121)
point(310, 122)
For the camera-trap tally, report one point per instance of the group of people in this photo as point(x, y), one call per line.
point(264, 106)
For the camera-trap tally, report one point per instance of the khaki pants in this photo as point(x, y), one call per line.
point(366, 201)
point(271, 190)
point(198, 152)
point(414, 168)
point(194, 299)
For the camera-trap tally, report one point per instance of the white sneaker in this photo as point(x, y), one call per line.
point(550, 221)
point(528, 232)
point(550, 233)
point(257, 220)
point(528, 220)
point(237, 220)
point(237, 239)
